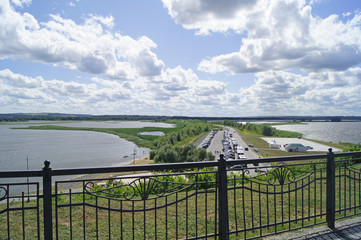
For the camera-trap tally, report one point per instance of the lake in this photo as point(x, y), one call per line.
point(68, 149)
point(327, 131)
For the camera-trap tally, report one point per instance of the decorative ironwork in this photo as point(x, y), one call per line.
point(352, 167)
point(282, 174)
point(3, 193)
point(144, 187)
point(285, 198)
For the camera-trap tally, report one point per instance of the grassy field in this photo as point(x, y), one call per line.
point(195, 215)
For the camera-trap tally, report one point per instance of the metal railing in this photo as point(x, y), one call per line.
point(200, 200)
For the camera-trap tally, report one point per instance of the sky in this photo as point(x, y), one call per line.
point(234, 58)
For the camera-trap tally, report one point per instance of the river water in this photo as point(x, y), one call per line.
point(68, 149)
point(65, 149)
point(327, 131)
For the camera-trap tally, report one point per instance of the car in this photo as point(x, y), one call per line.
point(240, 151)
point(250, 145)
point(262, 170)
point(238, 167)
point(245, 149)
point(242, 157)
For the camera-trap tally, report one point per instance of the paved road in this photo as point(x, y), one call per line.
point(349, 229)
point(216, 147)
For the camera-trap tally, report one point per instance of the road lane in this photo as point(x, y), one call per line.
point(216, 147)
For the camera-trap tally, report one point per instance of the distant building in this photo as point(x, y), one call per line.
point(295, 147)
point(273, 144)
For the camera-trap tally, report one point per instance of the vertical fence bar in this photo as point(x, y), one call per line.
point(330, 189)
point(38, 209)
point(56, 213)
point(223, 199)
point(23, 213)
point(48, 214)
point(70, 215)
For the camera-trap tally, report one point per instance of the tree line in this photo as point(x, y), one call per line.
point(171, 148)
point(261, 129)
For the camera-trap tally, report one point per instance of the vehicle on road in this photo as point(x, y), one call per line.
point(261, 170)
point(238, 167)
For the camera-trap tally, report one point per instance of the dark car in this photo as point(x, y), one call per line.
point(238, 167)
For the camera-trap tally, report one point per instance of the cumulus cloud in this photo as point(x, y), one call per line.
point(212, 15)
point(327, 93)
point(21, 3)
point(18, 80)
point(281, 35)
point(346, 14)
point(179, 91)
point(91, 46)
point(71, 4)
point(173, 92)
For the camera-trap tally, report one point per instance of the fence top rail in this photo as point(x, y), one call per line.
point(168, 166)
point(129, 168)
point(25, 173)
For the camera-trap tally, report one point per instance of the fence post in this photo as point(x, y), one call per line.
point(223, 199)
point(330, 194)
point(47, 202)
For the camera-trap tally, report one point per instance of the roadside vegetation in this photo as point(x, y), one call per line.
point(264, 129)
point(178, 147)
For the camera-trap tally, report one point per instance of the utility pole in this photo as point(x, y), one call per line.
point(134, 153)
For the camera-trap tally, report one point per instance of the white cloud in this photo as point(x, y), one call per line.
point(210, 15)
point(90, 47)
point(179, 91)
point(284, 93)
point(18, 80)
point(174, 92)
point(281, 35)
point(21, 3)
point(346, 14)
point(71, 4)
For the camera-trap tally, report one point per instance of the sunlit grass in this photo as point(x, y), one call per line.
point(291, 207)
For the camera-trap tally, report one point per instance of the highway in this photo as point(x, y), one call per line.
point(216, 146)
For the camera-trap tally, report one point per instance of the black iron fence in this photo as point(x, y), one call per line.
point(241, 199)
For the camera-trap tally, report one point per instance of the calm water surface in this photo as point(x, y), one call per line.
point(68, 149)
point(327, 131)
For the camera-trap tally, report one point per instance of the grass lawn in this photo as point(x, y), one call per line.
point(265, 151)
point(193, 212)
